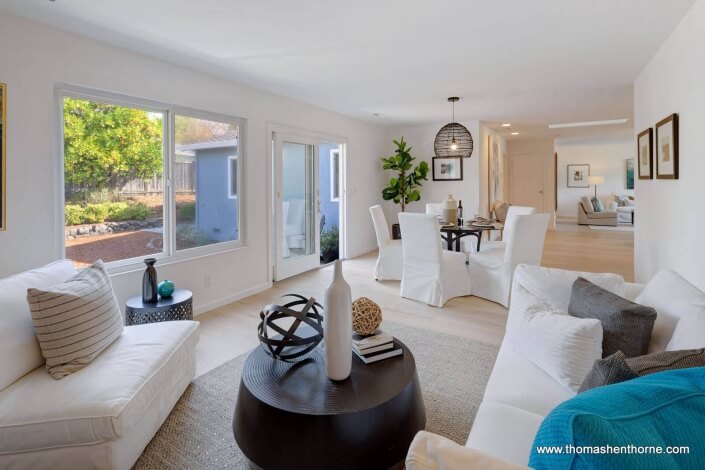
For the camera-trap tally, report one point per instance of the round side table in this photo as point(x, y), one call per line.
point(290, 415)
point(177, 307)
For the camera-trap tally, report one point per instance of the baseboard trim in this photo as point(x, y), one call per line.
point(566, 219)
point(228, 299)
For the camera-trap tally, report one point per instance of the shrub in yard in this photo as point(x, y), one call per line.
point(127, 211)
point(186, 213)
point(73, 214)
point(99, 213)
point(188, 236)
point(95, 213)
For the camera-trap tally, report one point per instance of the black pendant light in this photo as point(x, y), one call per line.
point(453, 140)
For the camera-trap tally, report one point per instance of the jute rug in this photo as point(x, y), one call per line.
point(453, 372)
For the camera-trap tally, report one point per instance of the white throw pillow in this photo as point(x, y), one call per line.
point(672, 296)
point(563, 346)
point(690, 330)
point(430, 451)
point(18, 343)
point(553, 287)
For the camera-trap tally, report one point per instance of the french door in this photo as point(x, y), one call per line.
point(296, 205)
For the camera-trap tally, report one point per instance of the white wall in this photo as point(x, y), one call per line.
point(670, 215)
point(606, 156)
point(421, 138)
point(543, 148)
point(34, 57)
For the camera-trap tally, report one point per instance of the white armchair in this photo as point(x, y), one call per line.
point(389, 259)
point(430, 274)
point(491, 271)
point(468, 244)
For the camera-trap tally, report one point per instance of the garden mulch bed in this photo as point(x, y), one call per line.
point(113, 246)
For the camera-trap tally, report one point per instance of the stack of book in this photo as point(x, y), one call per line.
point(376, 347)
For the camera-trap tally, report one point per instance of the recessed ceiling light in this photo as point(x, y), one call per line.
point(376, 114)
point(515, 133)
point(588, 123)
point(507, 124)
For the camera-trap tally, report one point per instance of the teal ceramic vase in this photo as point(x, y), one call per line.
point(165, 289)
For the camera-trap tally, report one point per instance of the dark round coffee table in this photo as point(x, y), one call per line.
point(292, 416)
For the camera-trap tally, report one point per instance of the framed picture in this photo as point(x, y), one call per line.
point(578, 176)
point(495, 173)
point(645, 154)
point(3, 122)
point(447, 169)
point(630, 173)
point(667, 148)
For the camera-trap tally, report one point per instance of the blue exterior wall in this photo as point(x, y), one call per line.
point(328, 208)
point(216, 213)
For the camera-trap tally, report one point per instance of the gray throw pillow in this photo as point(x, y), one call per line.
point(610, 370)
point(617, 368)
point(626, 326)
point(597, 205)
point(667, 360)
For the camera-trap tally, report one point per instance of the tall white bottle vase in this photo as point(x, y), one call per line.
point(337, 326)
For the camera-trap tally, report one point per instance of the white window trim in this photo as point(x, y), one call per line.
point(230, 177)
point(334, 183)
point(170, 254)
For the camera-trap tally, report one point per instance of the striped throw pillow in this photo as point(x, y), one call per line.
point(75, 321)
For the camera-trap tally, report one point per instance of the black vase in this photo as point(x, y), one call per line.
point(149, 282)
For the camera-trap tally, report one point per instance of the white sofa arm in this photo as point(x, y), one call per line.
point(430, 451)
point(612, 206)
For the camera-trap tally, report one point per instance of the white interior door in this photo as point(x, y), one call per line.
point(527, 184)
point(296, 205)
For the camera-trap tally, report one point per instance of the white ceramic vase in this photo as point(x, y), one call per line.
point(337, 326)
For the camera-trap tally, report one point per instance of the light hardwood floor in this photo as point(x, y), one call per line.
point(230, 330)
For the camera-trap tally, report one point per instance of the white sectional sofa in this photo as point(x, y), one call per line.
point(102, 416)
point(519, 394)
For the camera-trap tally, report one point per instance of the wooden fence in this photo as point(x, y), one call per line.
point(184, 182)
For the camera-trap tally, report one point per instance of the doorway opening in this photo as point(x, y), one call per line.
point(330, 178)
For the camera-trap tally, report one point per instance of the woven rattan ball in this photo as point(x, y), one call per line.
point(366, 316)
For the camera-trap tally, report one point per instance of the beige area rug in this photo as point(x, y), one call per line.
point(453, 372)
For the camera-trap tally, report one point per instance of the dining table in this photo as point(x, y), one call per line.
point(452, 234)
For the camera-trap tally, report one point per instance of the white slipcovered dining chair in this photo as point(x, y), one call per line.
point(430, 274)
point(434, 208)
point(491, 271)
point(389, 259)
point(469, 244)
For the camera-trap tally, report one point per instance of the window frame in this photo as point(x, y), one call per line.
point(169, 254)
point(334, 182)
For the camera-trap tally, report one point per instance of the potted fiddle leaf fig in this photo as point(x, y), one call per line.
point(405, 186)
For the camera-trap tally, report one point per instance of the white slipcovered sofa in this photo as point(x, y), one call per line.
point(102, 416)
point(520, 394)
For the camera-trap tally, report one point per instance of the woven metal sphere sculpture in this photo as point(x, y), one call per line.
point(366, 315)
point(443, 145)
point(297, 325)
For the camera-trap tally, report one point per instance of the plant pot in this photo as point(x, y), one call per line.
point(328, 256)
point(396, 232)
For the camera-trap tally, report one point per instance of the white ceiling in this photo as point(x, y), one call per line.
point(529, 62)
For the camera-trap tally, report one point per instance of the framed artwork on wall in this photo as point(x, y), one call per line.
point(3, 128)
point(495, 173)
point(578, 175)
point(630, 173)
point(645, 154)
point(667, 148)
point(447, 169)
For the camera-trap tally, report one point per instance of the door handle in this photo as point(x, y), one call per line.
point(540, 191)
